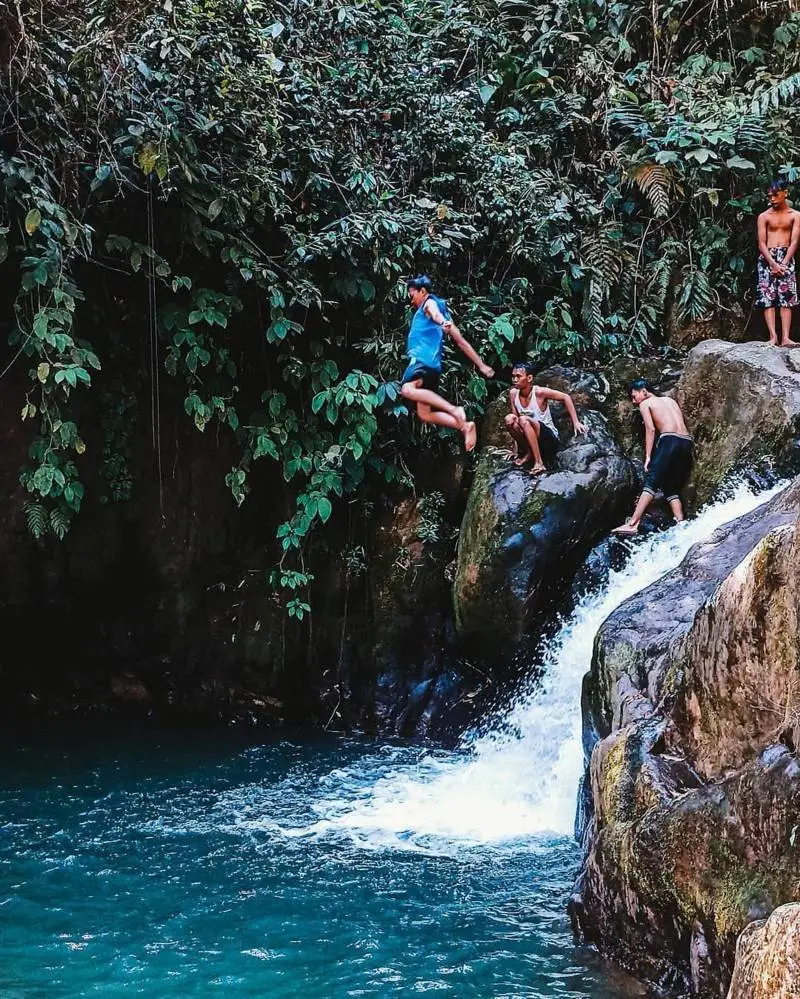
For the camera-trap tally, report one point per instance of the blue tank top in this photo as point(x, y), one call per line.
point(425, 336)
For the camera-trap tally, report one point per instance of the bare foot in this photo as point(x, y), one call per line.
point(470, 436)
point(626, 529)
point(538, 469)
point(519, 462)
point(789, 343)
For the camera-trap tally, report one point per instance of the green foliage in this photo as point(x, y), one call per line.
point(229, 193)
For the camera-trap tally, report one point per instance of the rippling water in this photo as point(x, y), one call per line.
point(182, 868)
point(191, 867)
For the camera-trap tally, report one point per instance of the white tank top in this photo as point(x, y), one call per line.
point(532, 409)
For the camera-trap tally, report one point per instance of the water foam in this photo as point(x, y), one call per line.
point(518, 781)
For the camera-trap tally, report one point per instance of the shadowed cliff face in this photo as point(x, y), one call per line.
point(162, 602)
point(695, 784)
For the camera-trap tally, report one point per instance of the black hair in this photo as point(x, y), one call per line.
point(526, 366)
point(639, 384)
point(779, 184)
point(421, 283)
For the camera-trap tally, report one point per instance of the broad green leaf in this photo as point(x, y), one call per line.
point(32, 221)
point(739, 163)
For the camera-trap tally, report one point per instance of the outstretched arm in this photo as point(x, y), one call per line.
point(458, 338)
point(569, 405)
point(649, 433)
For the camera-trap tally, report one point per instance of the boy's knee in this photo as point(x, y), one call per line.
point(511, 421)
point(406, 389)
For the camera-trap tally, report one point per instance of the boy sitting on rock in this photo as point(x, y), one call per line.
point(530, 422)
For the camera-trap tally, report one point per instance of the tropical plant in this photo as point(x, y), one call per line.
point(223, 196)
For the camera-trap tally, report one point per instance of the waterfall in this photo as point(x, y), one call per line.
point(518, 780)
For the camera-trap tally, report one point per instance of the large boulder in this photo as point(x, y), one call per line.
point(768, 957)
point(692, 712)
point(742, 405)
point(522, 537)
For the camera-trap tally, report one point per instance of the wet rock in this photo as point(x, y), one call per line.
point(523, 537)
point(768, 957)
point(742, 405)
point(643, 639)
point(695, 800)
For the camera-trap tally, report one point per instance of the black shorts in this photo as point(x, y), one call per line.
point(671, 466)
point(421, 372)
point(548, 444)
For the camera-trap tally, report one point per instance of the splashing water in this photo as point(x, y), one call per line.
point(518, 782)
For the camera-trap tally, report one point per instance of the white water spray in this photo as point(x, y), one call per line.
point(518, 781)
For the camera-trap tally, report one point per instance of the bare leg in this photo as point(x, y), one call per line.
point(677, 509)
point(632, 525)
point(786, 329)
point(428, 415)
point(530, 429)
point(415, 392)
point(432, 408)
point(769, 319)
point(521, 452)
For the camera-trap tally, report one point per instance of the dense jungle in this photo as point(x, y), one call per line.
point(208, 209)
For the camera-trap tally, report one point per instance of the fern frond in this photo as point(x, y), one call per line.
point(36, 517)
point(696, 298)
point(602, 255)
point(628, 118)
point(59, 522)
point(751, 135)
point(591, 310)
point(654, 181)
point(774, 97)
point(541, 183)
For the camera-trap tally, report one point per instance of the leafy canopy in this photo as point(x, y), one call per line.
point(223, 196)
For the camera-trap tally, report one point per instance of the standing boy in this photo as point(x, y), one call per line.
point(778, 236)
point(421, 377)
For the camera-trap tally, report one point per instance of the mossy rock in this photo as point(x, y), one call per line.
point(696, 807)
point(522, 537)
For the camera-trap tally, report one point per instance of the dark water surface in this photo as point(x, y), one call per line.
point(203, 866)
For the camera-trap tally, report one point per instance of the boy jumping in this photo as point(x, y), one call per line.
point(424, 350)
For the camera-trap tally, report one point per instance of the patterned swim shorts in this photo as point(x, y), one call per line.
point(773, 291)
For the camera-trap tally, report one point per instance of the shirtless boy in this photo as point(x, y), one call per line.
point(778, 236)
point(421, 377)
point(530, 422)
point(668, 469)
